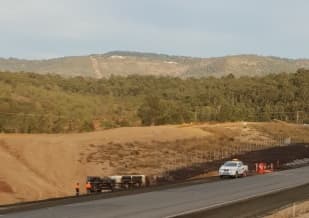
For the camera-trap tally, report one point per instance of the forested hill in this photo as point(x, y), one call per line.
point(49, 103)
point(132, 63)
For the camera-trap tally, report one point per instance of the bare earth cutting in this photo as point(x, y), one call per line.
point(40, 166)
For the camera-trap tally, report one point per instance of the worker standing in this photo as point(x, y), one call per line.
point(88, 187)
point(77, 189)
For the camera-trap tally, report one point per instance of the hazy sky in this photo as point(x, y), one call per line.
point(205, 28)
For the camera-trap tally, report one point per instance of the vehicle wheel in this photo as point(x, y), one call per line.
point(221, 177)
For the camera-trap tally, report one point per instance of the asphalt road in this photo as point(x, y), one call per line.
point(175, 201)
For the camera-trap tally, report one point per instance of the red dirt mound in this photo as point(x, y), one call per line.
point(4, 187)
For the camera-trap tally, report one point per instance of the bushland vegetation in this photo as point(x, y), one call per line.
point(34, 103)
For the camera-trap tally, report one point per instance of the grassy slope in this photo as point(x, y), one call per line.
point(124, 63)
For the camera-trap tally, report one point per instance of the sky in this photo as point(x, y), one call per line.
point(41, 29)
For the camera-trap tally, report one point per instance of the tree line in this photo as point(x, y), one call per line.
point(33, 103)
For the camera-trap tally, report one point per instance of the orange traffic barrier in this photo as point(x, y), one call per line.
point(261, 168)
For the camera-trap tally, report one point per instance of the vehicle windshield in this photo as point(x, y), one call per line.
point(230, 164)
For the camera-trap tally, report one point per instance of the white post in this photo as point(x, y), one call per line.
point(294, 210)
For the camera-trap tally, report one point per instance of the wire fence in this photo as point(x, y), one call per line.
point(197, 159)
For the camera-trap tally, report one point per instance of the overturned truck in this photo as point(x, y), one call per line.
point(111, 183)
point(99, 184)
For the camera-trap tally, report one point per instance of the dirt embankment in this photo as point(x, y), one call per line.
point(41, 166)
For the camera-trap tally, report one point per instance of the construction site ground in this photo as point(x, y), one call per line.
point(41, 166)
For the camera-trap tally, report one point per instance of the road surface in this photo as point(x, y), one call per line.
point(175, 201)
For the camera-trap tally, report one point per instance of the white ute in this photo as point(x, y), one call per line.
point(233, 168)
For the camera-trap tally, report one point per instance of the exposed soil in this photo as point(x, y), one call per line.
point(41, 166)
point(4, 187)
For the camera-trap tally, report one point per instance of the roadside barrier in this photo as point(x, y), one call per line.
point(262, 168)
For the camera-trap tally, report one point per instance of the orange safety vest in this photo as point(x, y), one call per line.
point(261, 168)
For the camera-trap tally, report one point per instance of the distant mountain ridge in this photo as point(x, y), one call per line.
point(124, 63)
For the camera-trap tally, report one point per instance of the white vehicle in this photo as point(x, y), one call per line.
point(233, 168)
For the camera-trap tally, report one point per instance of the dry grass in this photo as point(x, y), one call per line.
point(141, 66)
point(132, 64)
point(300, 210)
point(298, 133)
point(40, 166)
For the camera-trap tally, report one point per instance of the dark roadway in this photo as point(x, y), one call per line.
point(175, 201)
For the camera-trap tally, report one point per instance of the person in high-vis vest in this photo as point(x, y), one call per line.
point(88, 187)
point(77, 188)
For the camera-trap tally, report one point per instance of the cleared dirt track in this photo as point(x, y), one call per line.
point(178, 201)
